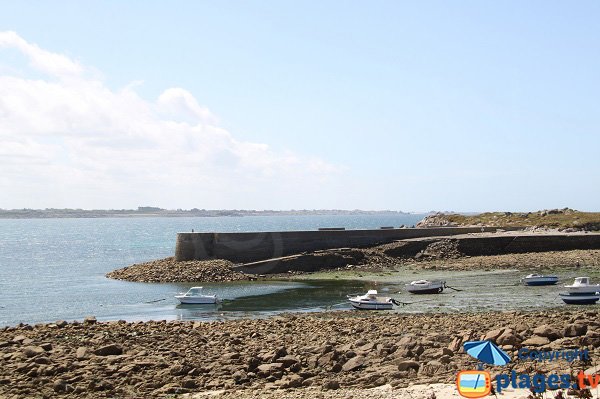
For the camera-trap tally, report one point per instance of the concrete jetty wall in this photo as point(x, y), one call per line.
point(501, 244)
point(250, 247)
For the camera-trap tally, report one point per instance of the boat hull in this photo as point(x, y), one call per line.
point(207, 300)
point(429, 287)
point(585, 299)
point(541, 281)
point(436, 290)
point(371, 305)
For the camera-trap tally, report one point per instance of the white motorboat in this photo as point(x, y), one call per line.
point(582, 285)
point(371, 301)
point(195, 296)
point(581, 292)
point(538, 279)
point(425, 287)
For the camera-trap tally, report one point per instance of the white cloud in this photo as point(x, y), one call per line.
point(68, 140)
point(55, 64)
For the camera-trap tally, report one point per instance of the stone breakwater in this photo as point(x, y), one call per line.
point(315, 352)
point(168, 270)
point(441, 255)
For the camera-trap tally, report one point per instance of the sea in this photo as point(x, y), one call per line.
point(54, 269)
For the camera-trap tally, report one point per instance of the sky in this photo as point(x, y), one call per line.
point(412, 106)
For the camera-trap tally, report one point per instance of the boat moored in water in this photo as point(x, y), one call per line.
point(538, 279)
point(194, 296)
point(425, 287)
point(371, 301)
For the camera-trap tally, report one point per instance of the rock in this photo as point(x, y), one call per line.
point(508, 337)
point(269, 368)
point(90, 320)
point(59, 386)
point(354, 363)
point(406, 342)
point(455, 345)
point(447, 352)
point(291, 381)
point(288, 361)
point(407, 365)
point(189, 384)
point(81, 353)
point(47, 346)
point(42, 360)
point(445, 359)
point(109, 350)
point(240, 377)
point(536, 341)
point(31, 351)
point(326, 359)
point(61, 323)
point(575, 330)
point(419, 350)
point(493, 335)
point(547, 331)
point(179, 369)
point(19, 339)
point(331, 385)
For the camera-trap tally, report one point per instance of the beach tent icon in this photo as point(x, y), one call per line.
point(486, 352)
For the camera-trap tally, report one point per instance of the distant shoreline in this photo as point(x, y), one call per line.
point(158, 212)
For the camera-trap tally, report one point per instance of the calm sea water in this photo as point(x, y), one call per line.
point(54, 268)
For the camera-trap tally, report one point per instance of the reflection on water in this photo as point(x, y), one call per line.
point(474, 292)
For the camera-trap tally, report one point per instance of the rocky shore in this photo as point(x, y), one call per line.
point(168, 270)
point(440, 255)
point(344, 350)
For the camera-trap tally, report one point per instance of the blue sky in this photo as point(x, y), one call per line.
point(413, 106)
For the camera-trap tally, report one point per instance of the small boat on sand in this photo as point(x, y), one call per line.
point(425, 287)
point(538, 279)
point(371, 301)
point(579, 299)
point(582, 285)
point(194, 296)
point(581, 292)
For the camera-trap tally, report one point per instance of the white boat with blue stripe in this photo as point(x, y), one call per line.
point(538, 279)
point(371, 301)
point(581, 292)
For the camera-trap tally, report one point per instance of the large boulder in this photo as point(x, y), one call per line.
point(406, 365)
point(547, 331)
point(354, 363)
point(109, 350)
point(508, 337)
